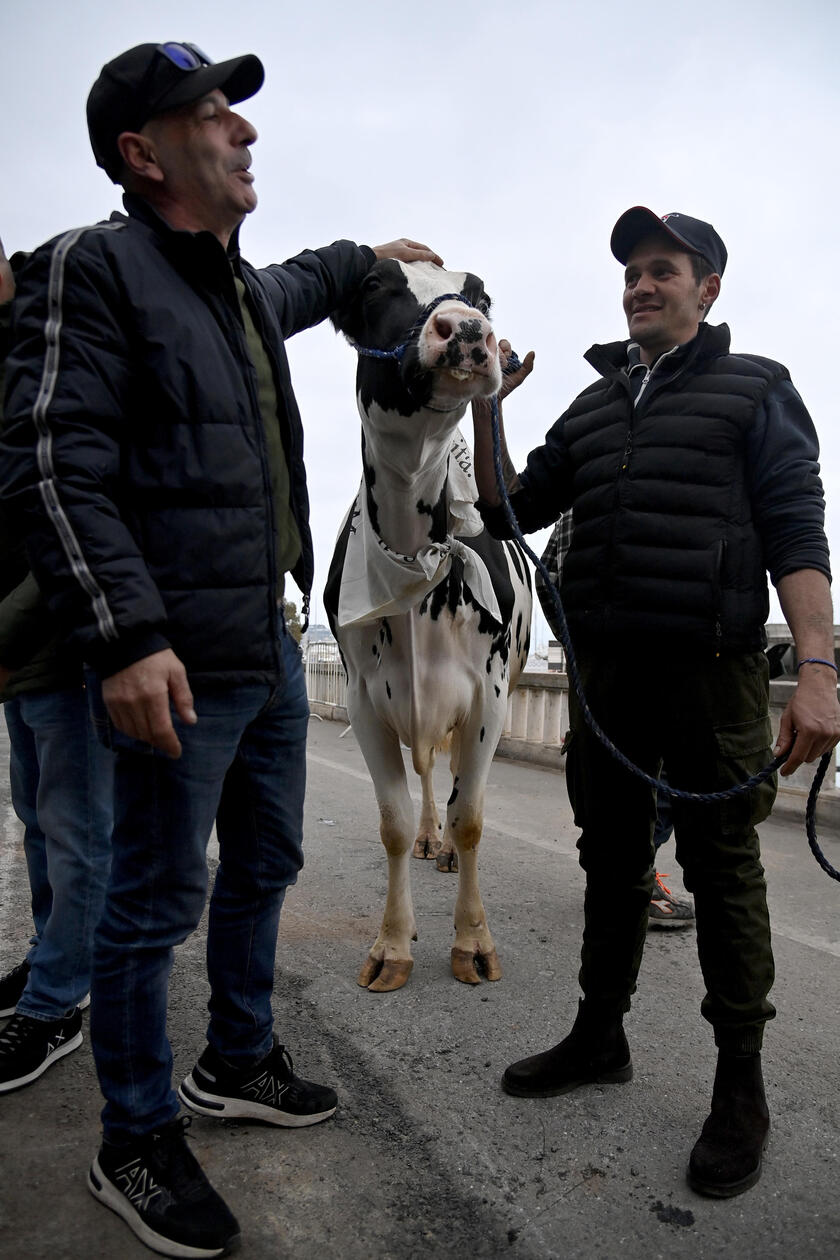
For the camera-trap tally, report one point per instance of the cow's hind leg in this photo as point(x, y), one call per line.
point(446, 858)
point(389, 963)
point(430, 831)
point(474, 953)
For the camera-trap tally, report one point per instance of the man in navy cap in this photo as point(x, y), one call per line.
point(692, 472)
point(153, 459)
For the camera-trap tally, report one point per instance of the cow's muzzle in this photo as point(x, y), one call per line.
point(458, 341)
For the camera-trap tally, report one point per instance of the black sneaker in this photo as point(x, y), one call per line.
point(269, 1091)
point(158, 1188)
point(29, 1046)
point(11, 988)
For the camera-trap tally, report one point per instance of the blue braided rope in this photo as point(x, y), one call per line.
point(574, 676)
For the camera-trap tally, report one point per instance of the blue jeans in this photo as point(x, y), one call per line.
point(62, 791)
point(244, 765)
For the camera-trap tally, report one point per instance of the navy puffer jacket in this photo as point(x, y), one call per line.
point(134, 461)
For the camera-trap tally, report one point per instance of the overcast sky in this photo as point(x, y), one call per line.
point(510, 138)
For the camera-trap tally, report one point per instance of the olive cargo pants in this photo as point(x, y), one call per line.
point(706, 722)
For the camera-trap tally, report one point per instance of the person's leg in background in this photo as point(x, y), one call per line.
point(23, 782)
point(666, 909)
point(62, 790)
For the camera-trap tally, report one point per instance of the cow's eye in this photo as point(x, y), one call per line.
point(370, 284)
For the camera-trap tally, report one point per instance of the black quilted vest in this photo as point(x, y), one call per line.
point(665, 548)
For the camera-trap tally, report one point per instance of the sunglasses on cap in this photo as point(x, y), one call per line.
point(185, 56)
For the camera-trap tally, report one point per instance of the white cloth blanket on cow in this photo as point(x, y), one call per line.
point(379, 582)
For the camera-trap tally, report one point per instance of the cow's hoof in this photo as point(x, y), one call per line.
point(469, 967)
point(378, 976)
point(447, 860)
point(426, 847)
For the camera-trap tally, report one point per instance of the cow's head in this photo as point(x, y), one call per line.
point(451, 355)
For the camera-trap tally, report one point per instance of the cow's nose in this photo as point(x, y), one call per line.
point(472, 334)
point(444, 326)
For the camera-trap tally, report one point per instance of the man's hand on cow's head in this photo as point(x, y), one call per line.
point(513, 380)
point(137, 699)
point(405, 250)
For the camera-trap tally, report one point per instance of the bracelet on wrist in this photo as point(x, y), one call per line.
point(815, 660)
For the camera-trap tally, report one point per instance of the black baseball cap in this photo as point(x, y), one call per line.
point(692, 234)
point(152, 78)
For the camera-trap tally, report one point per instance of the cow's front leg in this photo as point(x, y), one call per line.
point(473, 954)
point(389, 963)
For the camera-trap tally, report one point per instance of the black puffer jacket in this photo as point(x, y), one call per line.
point(683, 501)
point(134, 460)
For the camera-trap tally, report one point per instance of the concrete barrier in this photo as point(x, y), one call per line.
point(538, 718)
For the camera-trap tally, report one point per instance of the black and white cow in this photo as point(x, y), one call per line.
point(432, 615)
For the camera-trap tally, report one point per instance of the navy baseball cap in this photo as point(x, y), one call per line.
point(152, 78)
point(692, 234)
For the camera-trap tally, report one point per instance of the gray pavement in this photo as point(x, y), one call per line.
point(426, 1156)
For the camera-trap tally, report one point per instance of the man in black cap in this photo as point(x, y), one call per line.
point(691, 471)
point(153, 459)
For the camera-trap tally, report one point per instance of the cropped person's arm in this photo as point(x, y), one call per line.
point(812, 717)
point(789, 510)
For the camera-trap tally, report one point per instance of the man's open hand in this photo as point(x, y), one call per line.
point(137, 699)
point(405, 250)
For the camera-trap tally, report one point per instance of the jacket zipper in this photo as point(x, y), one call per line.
point(720, 553)
point(650, 369)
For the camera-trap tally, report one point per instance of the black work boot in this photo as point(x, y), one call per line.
point(595, 1052)
point(726, 1159)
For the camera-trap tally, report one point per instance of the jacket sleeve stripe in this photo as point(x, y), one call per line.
point(44, 453)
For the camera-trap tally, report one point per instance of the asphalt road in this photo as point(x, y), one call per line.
point(426, 1156)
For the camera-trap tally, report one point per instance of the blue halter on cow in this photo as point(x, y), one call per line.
point(431, 614)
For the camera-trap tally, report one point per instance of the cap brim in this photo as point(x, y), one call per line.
point(239, 78)
point(634, 225)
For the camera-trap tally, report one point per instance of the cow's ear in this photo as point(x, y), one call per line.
point(345, 317)
point(475, 292)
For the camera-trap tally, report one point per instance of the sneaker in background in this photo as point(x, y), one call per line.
point(157, 1186)
point(268, 1091)
point(666, 910)
point(29, 1046)
point(11, 988)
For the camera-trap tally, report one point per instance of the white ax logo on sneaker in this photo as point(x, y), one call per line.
point(266, 1088)
point(137, 1184)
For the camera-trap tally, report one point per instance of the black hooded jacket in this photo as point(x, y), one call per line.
point(134, 459)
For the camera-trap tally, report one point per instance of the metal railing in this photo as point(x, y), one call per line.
point(326, 681)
